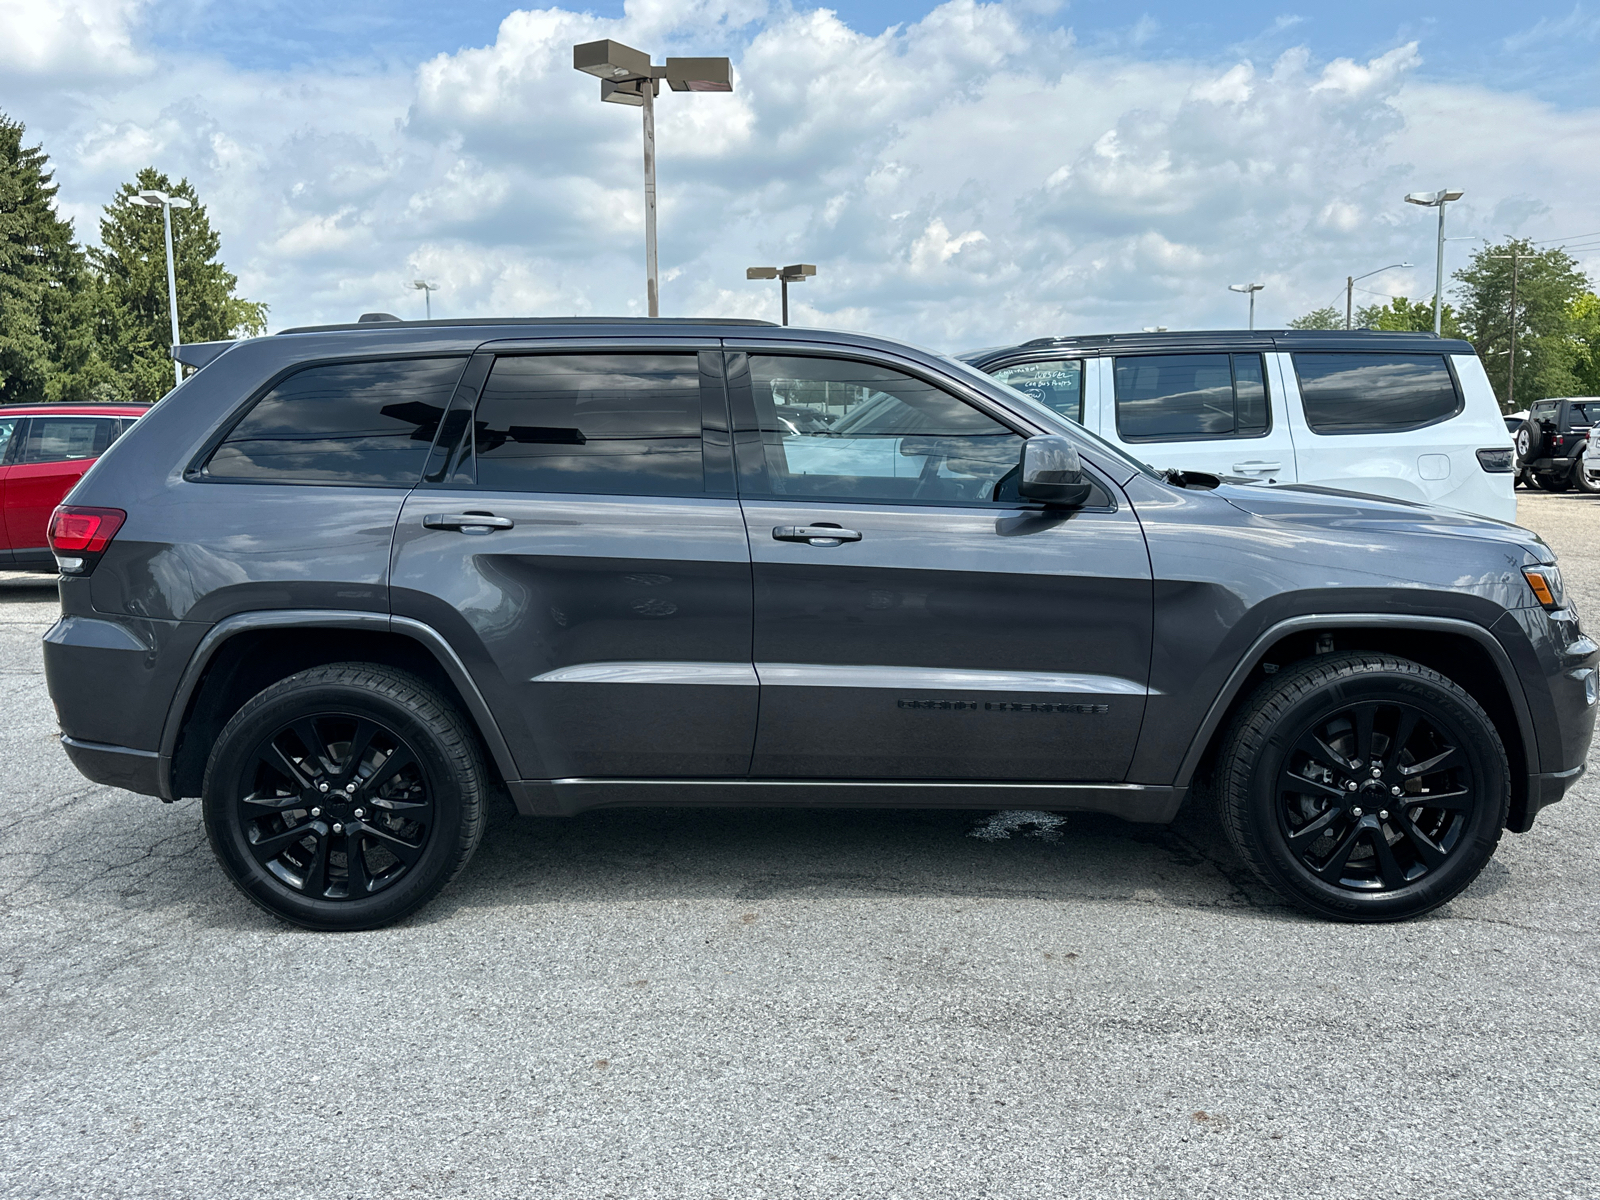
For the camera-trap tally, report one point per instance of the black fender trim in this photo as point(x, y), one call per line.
point(1497, 654)
point(449, 661)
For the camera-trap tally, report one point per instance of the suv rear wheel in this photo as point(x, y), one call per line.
point(1364, 787)
point(1580, 474)
point(344, 797)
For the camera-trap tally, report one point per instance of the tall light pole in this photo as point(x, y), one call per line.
point(1251, 289)
point(166, 203)
point(427, 289)
point(1437, 200)
point(627, 77)
point(1350, 282)
point(793, 273)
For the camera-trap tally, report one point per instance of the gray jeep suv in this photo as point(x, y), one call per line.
point(344, 580)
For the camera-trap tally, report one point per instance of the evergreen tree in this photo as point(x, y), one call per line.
point(1549, 286)
point(46, 295)
point(131, 265)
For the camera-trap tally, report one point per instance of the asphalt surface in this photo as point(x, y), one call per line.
point(708, 1004)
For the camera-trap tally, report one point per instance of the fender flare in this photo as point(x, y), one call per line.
point(289, 618)
point(1247, 661)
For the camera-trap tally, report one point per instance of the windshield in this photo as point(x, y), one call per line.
point(1028, 404)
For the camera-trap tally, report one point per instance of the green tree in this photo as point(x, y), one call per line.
point(1401, 315)
point(1585, 317)
point(47, 349)
point(1320, 318)
point(1549, 286)
point(131, 266)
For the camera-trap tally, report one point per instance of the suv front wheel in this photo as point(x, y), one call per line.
point(1364, 787)
point(344, 797)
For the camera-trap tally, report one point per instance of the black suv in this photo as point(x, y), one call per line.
point(1553, 445)
point(344, 580)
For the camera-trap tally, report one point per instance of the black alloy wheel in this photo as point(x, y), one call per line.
point(344, 797)
point(1364, 787)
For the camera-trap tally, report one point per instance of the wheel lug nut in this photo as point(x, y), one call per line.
point(338, 828)
point(322, 787)
point(1354, 812)
point(1383, 814)
point(361, 812)
point(1351, 786)
point(316, 812)
point(350, 789)
point(1394, 791)
point(1377, 771)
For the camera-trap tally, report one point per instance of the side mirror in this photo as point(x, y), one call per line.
point(1050, 472)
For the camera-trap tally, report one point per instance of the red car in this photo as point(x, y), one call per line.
point(44, 450)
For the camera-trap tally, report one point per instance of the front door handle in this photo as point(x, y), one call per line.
point(814, 535)
point(478, 523)
point(1256, 467)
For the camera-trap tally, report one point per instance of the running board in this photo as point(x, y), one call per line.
point(1149, 803)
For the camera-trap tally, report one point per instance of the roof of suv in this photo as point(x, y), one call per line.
point(371, 326)
point(1236, 339)
point(73, 410)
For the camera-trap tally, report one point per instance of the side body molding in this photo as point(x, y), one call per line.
point(1496, 652)
point(448, 660)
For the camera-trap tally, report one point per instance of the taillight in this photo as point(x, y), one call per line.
point(79, 535)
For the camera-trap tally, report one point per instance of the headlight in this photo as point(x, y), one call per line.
point(1546, 584)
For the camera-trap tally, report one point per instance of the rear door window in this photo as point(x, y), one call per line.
point(1055, 383)
point(365, 423)
point(617, 424)
point(65, 439)
point(1375, 393)
point(1178, 397)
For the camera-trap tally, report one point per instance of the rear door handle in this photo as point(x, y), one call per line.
point(1256, 467)
point(478, 523)
point(814, 535)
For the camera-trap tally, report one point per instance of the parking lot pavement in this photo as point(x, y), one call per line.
point(701, 1003)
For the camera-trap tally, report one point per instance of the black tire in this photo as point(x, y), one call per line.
point(376, 754)
point(1528, 440)
point(1289, 811)
point(1526, 479)
point(1554, 483)
point(1580, 477)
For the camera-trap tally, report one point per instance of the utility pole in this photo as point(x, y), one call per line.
point(1511, 366)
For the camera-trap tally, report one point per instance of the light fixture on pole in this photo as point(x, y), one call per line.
point(427, 289)
point(166, 203)
point(1350, 282)
point(627, 77)
point(793, 273)
point(1250, 289)
point(1437, 200)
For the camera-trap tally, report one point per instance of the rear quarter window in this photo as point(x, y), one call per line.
point(1375, 393)
point(365, 423)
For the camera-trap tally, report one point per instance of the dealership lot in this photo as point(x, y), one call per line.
point(783, 1003)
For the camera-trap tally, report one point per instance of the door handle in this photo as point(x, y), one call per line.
point(814, 535)
point(475, 523)
point(1256, 467)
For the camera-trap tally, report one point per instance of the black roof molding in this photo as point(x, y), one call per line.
point(198, 354)
point(1197, 340)
point(370, 319)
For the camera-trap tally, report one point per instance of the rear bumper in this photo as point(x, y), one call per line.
point(116, 766)
point(1543, 789)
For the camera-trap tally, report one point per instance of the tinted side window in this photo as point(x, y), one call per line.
point(1375, 393)
point(1056, 383)
point(850, 430)
point(363, 423)
point(63, 439)
point(7, 427)
point(1170, 397)
point(620, 424)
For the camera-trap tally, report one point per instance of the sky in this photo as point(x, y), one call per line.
point(962, 173)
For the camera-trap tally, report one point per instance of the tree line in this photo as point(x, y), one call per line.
point(82, 325)
point(1556, 317)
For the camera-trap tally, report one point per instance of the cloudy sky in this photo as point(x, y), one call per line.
point(964, 174)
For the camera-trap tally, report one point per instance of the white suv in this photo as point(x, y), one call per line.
point(1403, 415)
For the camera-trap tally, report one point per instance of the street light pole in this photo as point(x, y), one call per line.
point(1350, 282)
point(793, 273)
point(627, 77)
point(427, 289)
point(1250, 289)
point(1437, 200)
point(166, 203)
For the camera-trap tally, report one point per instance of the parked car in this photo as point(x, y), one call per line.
point(1553, 445)
point(1408, 416)
point(44, 450)
point(343, 580)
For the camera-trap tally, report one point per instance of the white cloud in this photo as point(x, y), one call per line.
point(973, 177)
